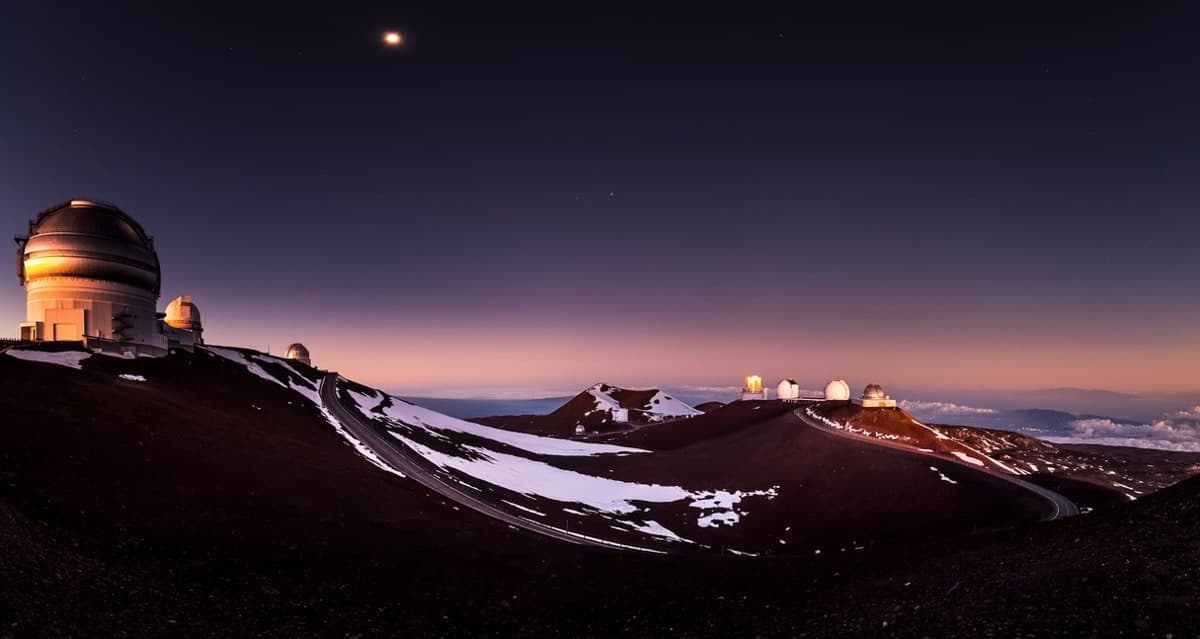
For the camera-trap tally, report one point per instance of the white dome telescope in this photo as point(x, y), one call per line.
point(838, 390)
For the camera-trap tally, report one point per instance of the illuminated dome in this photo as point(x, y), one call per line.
point(837, 390)
point(182, 313)
point(91, 275)
point(299, 353)
point(873, 391)
point(88, 240)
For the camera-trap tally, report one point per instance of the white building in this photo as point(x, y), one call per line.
point(788, 390)
point(837, 390)
point(753, 388)
point(182, 323)
point(874, 397)
point(91, 275)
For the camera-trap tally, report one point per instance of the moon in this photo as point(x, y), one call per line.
point(393, 39)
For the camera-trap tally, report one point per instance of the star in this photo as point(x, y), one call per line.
point(393, 39)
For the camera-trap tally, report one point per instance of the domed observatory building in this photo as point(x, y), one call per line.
point(753, 388)
point(182, 323)
point(837, 390)
point(91, 275)
point(788, 390)
point(874, 397)
point(299, 353)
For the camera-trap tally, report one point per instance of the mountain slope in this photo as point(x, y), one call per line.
point(601, 408)
point(1091, 476)
point(213, 498)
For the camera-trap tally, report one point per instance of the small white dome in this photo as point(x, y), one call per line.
point(788, 389)
point(182, 313)
point(838, 390)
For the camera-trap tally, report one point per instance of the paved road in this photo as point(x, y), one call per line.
point(415, 467)
point(1062, 507)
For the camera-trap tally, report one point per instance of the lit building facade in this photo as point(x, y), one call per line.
point(91, 275)
point(753, 388)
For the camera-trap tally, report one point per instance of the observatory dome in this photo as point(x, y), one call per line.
point(873, 391)
point(838, 390)
point(88, 240)
point(183, 313)
point(788, 389)
point(91, 275)
point(299, 353)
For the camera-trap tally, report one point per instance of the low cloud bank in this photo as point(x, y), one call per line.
point(1178, 431)
point(1175, 430)
point(935, 410)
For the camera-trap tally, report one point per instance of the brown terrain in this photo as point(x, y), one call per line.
point(1122, 472)
point(207, 502)
point(1091, 476)
point(582, 410)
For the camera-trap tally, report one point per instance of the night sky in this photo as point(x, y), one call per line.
point(526, 201)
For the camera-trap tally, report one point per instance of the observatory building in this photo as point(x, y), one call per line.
point(91, 275)
point(874, 397)
point(299, 353)
point(788, 390)
point(753, 388)
point(182, 323)
point(837, 390)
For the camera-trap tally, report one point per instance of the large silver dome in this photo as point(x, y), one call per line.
point(873, 391)
point(88, 240)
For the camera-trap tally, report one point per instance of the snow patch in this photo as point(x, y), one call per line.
point(313, 397)
point(70, 359)
point(513, 504)
point(967, 458)
point(655, 529)
point(132, 378)
point(405, 413)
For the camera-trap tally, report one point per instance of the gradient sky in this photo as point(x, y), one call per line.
point(525, 201)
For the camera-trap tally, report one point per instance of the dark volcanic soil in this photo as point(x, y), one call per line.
point(191, 506)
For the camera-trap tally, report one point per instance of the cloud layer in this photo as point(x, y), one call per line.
point(934, 410)
point(1179, 431)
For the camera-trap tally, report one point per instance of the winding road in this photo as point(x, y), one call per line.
point(374, 436)
point(1062, 507)
point(415, 467)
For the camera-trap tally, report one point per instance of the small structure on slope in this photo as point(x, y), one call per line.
point(788, 390)
point(837, 390)
point(753, 388)
point(299, 353)
point(182, 323)
point(874, 397)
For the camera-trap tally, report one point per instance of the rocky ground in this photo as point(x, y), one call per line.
point(214, 509)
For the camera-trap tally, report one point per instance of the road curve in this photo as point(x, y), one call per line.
point(415, 467)
point(1063, 507)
